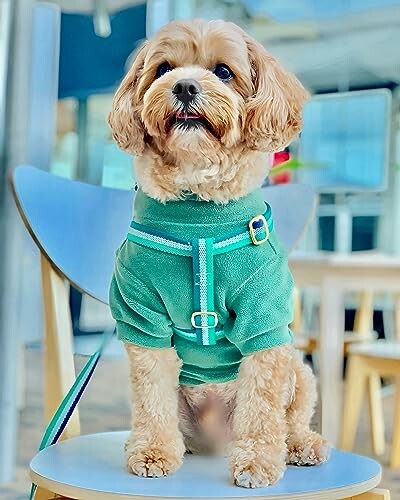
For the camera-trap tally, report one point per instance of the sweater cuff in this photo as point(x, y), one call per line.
point(267, 340)
point(126, 333)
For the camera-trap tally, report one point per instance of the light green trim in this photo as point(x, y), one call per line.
point(158, 246)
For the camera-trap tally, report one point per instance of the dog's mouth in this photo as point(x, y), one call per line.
point(189, 121)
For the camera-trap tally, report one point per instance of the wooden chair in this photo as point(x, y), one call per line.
point(77, 228)
point(362, 329)
point(367, 363)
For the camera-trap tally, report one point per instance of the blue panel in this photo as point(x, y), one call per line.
point(90, 64)
point(346, 137)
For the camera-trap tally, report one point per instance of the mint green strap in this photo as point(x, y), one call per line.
point(192, 333)
point(64, 412)
point(204, 319)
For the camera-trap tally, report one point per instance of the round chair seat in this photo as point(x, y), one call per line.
point(92, 467)
point(378, 349)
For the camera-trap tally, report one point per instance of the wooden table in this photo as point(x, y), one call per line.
point(336, 274)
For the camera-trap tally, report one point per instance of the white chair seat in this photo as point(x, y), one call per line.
point(92, 467)
point(378, 349)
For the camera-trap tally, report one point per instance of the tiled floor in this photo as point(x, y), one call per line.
point(105, 407)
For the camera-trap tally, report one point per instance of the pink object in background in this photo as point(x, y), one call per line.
point(277, 159)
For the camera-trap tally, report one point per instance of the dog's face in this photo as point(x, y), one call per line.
point(199, 105)
point(205, 90)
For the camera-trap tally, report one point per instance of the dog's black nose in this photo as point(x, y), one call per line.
point(186, 90)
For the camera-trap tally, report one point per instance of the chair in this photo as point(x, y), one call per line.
point(91, 468)
point(367, 363)
point(362, 328)
point(77, 228)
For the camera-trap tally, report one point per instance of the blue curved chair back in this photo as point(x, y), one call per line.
point(79, 226)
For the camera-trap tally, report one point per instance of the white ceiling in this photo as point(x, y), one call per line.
point(352, 50)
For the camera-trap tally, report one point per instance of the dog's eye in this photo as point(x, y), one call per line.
point(162, 69)
point(223, 72)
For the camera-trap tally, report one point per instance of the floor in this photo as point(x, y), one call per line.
point(105, 407)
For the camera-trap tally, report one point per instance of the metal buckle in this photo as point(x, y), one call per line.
point(252, 231)
point(201, 313)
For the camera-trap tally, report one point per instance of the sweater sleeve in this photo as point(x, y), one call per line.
point(140, 313)
point(263, 309)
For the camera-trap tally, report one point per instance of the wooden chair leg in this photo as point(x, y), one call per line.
point(363, 320)
point(377, 425)
point(296, 324)
point(42, 494)
point(356, 384)
point(395, 452)
point(59, 370)
point(376, 494)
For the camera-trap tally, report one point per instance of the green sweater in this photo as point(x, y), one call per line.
point(152, 290)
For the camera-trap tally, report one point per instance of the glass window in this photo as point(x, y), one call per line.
point(106, 163)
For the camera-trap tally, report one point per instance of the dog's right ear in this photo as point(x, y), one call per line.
point(124, 118)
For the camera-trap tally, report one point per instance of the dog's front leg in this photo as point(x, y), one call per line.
point(258, 454)
point(155, 447)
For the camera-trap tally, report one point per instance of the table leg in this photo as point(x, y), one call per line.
point(331, 358)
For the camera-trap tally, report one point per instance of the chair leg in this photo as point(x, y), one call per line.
point(296, 324)
point(377, 425)
point(59, 370)
point(375, 494)
point(363, 320)
point(395, 453)
point(356, 384)
point(42, 494)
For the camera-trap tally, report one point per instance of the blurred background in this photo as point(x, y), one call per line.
point(60, 63)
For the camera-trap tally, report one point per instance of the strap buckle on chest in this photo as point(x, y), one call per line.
point(204, 320)
point(257, 225)
point(201, 314)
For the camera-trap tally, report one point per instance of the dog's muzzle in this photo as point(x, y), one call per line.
point(186, 90)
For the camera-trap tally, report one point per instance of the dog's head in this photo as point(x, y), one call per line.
point(205, 88)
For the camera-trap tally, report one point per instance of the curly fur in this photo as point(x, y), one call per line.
point(262, 419)
point(258, 112)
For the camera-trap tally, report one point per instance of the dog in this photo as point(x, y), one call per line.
point(202, 107)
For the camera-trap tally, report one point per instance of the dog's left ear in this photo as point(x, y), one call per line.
point(274, 111)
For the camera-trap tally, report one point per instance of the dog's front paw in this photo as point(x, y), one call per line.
point(256, 465)
point(307, 449)
point(154, 460)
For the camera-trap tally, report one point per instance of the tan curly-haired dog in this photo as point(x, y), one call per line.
point(201, 107)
